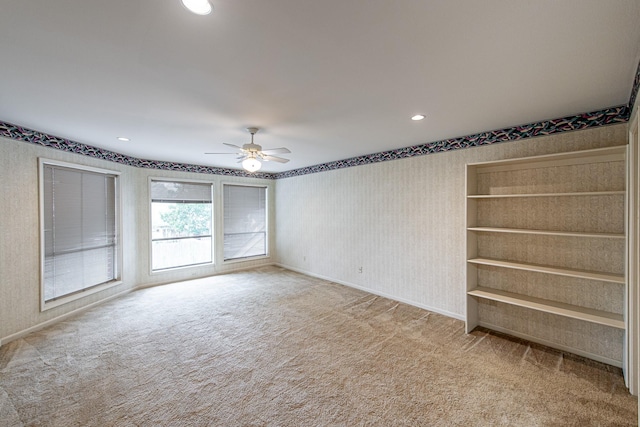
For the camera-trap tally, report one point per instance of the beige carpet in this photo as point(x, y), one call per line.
point(271, 347)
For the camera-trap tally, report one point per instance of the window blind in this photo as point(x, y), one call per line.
point(245, 221)
point(180, 192)
point(79, 209)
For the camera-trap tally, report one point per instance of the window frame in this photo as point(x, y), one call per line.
point(213, 225)
point(267, 219)
point(117, 280)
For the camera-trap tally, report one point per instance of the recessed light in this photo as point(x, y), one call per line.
point(122, 138)
point(199, 7)
point(418, 117)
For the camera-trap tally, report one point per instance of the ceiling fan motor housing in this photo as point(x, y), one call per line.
point(252, 147)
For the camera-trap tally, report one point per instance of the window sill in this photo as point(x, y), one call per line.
point(247, 259)
point(47, 305)
point(181, 267)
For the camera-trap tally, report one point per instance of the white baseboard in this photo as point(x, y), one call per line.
point(375, 292)
point(24, 332)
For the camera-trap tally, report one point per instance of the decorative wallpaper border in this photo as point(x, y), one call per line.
point(613, 115)
point(607, 116)
point(27, 135)
point(604, 117)
point(634, 89)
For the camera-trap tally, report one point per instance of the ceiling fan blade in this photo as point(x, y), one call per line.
point(220, 153)
point(232, 145)
point(275, 159)
point(276, 151)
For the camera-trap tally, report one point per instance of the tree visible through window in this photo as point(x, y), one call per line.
point(181, 218)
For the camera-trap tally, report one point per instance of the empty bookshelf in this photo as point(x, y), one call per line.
point(546, 250)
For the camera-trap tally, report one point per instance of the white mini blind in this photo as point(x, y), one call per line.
point(176, 192)
point(79, 218)
point(245, 221)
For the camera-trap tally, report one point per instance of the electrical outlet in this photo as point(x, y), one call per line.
point(360, 270)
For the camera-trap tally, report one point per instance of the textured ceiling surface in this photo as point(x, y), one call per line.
point(328, 80)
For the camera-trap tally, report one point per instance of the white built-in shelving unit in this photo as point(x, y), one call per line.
point(546, 250)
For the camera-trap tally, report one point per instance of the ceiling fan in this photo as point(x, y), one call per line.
point(251, 154)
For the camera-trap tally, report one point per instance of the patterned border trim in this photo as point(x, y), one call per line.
point(634, 89)
point(27, 135)
point(607, 116)
point(604, 117)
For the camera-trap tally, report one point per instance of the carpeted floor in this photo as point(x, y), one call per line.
point(270, 347)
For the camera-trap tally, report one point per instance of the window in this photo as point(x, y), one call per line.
point(180, 224)
point(245, 221)
point(79, 220)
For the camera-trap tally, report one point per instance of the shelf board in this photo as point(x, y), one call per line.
point(583, 274)
point(546, 232)
point(580, 193)
point(595, 155)
point(553, 307)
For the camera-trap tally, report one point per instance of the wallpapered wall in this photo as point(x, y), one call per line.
point(20, 231)
point(402, 221)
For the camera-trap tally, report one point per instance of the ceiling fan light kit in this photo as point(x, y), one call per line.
point(250, 154)
point(251, 164)
point(199, 7)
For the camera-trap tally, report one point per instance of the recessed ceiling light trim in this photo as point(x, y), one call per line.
point(123, 139)
point(418, 117)
point(199, 7)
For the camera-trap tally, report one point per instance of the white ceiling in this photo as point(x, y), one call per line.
point(328, 79)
